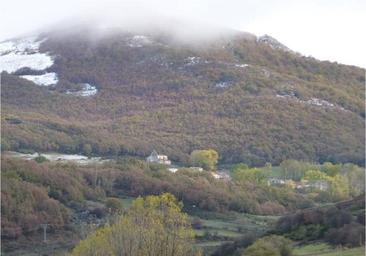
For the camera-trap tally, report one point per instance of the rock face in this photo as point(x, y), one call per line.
point(273, 43)
point(252, 100)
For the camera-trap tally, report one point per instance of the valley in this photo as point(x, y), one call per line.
point(141, 142)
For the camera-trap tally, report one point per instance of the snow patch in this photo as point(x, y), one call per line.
point(28, 44)
point(138, 41)
point(192, 61)
point(78, 159)
point(12, 61)
point(87, 90)
point(319, 102)
point(222, 84)
point(43, 80)
point(241, 65)
point(313, 101)
point(23, 53)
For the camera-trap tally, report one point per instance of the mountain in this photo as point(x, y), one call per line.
point(129, 92)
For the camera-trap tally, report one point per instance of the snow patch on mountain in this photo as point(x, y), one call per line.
point(312, 101)
point(222, 84)
point(241, 65)
point(43, 80)
point(87, 90)
point(22, 53)
point(138, 41)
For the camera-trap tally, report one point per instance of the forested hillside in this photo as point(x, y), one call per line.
point(247, 99)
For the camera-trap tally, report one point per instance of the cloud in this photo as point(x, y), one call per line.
point(325, 29)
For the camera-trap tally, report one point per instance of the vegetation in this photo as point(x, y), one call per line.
point(40, 159)
point(114, 205)
point(57, 192)
point(341, 224)
point(150, 98)
point(328, 250)
point(207, 159)
point(268, 246)
point(152, 226)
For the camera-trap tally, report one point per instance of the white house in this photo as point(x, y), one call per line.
point(156, 158)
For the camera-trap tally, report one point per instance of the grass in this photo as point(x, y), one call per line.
point(127, 201)
point(324, 249)
point(218, 228)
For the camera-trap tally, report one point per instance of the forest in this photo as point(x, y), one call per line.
point(155, 97)
point(39, 191)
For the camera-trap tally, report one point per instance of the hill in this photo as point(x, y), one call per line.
point(118, 92)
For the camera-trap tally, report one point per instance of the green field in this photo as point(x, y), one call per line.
point(217, 229)
point(324, 249)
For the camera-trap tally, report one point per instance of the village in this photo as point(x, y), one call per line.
point(224, 174)
point(154, 157)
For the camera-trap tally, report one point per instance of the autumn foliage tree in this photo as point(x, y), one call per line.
point(153, 226)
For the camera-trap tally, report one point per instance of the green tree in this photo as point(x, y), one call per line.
point(315, 175)
point(154, 226)
point(338, 188)
point(254, 175)
point(295, 170)
point(270, 246)
point(355, 177)
point(331, 169)
point(207, 159)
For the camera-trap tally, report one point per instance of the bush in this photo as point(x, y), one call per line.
point(114, 205)
point(98, 212)
point(40, 159)
point(352, 234)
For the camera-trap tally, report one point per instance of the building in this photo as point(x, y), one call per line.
point(317, 185)
point(275, 181)
point(154, 157)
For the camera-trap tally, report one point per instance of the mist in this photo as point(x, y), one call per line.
point(327, 30)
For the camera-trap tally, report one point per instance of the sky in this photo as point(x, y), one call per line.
point(325, 29)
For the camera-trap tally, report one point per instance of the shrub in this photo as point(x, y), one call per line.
point(40, 159)
point(114, 205)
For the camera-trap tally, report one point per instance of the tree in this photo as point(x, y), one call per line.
point(270, 246)
point(331, 169)
point(207, 159)
point(315, 175)
point(154, 226)
point(338, 187)
point(254, 175)
point(295, 170)
point(356, 178)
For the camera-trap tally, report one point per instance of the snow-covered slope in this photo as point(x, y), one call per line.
point(44, 80)
point(24, 53)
